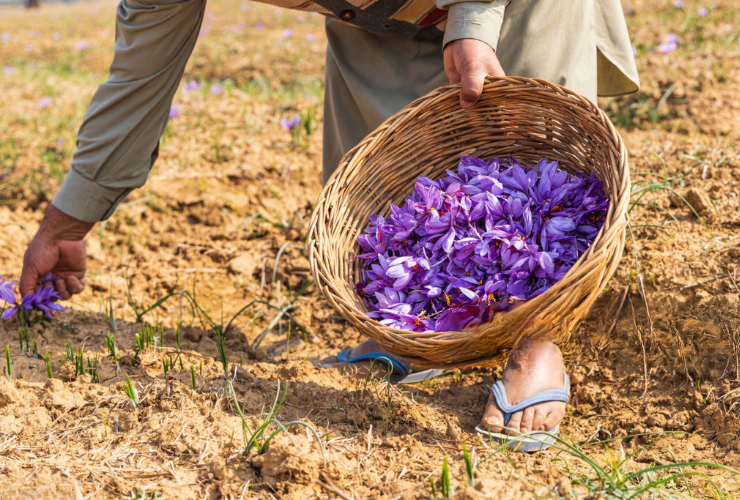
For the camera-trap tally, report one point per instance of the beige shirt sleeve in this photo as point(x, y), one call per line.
point(119, 137)
point(479, 20)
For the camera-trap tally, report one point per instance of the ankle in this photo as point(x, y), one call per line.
point(534, 354)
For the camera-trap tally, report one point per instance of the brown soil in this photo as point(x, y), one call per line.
point(230, 192)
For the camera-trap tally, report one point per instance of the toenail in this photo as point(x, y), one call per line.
point(523, 429)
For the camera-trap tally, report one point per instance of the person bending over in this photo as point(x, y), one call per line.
point(381, 55)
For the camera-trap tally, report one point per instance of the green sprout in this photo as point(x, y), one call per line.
point(434, 490)
point(130, 389)
point(446, 487)
point(7, 358)
point(68, 351)
point(35, 350)
point(79, 363)
point(112, 349)
point(469, 459)
point(92, 367)
point(256, 440)
point(221, 345)
point(192, 376)
point(47, 362)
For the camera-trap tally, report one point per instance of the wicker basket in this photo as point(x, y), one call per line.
point(520, 117)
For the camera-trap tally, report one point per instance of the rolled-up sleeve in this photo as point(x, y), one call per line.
point(118, 141)
point(479, 20)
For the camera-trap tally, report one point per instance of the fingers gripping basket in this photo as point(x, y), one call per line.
point(524, 118)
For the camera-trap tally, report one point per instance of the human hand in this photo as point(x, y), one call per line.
point(59, 248)
point(470, 62)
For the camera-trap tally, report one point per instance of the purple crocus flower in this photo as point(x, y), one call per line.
point(476, 242)
point(8, 70)
point(5, 36)
point(82, 45)
point(667, 47)
point(287, 34)
point(56, 36)
point(43, 299)
point(217, 89)
point(702, 11)
point(44, 102)
point(671, 38)
point(678, 4)
point(191, 86)
point(174, 111)
point(6, 290)
point(290, 124)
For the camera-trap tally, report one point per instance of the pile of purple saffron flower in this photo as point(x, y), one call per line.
point(43, 299)
point(470, 245)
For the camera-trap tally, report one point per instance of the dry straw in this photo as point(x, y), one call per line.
point(520, 117)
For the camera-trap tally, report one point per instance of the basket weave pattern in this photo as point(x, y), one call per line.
point(520, 117)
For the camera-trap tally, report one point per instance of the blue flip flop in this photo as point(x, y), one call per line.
point(528, 442)
point(403, 372)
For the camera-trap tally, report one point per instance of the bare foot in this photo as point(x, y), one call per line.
point(534, 367)
point(360, 368)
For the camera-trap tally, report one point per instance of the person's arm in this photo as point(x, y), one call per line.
point(470, 42)
point(119, 137)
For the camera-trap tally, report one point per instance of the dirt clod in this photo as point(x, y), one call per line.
point(8, 393)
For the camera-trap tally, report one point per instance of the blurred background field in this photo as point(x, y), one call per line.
point(224, 217)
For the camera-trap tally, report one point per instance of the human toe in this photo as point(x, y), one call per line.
point(525, 425)
point(493, 418)
point(538, 421)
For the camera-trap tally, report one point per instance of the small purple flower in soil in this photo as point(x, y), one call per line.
point(29, 47)
point(466, 247)
point(204, 31)
point(702, 11)
point(43, 299)
point(191, 86)
point(634, 50)
point(6, 290)
point(217, 89)
point(82, 45)
point(629, 11)
point(56, 36)
point(44, 102)
point(666, 47)
point(678, 4)
point(287, 34)
point(259, 25)
point(290, 124)
point(174, 111)
point(4, 36)
point(310, 37)
point(8, 70)
point(671, 38)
